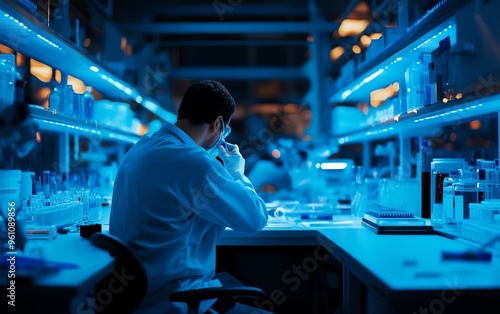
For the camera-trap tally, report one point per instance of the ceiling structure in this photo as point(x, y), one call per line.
point(273, 55)
point(262, 50)
point(270, 54)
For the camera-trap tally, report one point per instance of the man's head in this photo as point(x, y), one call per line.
point(204, 101)
point(207, 103)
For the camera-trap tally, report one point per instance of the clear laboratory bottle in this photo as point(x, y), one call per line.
point(357, 191)
point(414, 80)
point(7, 80)
point(53, 183)
point(440, 169)
point(46, 183)
point(88, 105)
point(467, 191)
point(68, 100)
point(55, 99)
point(449, 182)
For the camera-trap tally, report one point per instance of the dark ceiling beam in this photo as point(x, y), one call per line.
point(348, 9)
point(236, 10)
point(237, 73)
point(230, 27)
point(237, 43)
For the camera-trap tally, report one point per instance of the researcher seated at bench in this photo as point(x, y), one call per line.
point(174, 194)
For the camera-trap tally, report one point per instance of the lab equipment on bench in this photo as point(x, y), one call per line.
point(385, 220)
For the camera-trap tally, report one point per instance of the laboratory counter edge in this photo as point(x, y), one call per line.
point(380, 273)
point(71, 268)
point(393, 273)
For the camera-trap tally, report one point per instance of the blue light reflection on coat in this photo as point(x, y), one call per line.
point(171, 201)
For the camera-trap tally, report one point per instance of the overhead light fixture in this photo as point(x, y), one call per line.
point(356, 49)
point(331, 165)
point(350, 27)
point(375, 36)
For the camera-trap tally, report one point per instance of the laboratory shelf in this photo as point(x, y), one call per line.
point(48, 120)
point(27, 35)
point(426, 121)
point(392, 69)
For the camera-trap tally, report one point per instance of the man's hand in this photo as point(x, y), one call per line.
point(233, 161)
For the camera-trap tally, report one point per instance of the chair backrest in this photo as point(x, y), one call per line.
point(125, 287)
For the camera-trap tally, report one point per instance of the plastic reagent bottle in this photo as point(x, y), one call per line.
point(55, 99)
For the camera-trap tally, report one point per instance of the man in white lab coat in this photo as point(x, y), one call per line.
point(172, 198)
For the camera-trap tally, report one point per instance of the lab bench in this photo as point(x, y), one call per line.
point(377, 273)
point(311, 267)
point(74, 266)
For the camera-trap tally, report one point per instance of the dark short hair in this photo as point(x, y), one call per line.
point(204, 101)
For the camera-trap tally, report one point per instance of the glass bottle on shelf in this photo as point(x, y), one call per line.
point(7, 80)
point(88, 105)
point(55, 99)
point(68, 100)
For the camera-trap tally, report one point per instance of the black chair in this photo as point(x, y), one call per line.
point(126, 298)
point(124, 288)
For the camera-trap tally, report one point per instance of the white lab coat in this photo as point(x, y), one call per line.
point(171, 201)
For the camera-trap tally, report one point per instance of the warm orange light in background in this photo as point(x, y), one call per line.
point(350, 27)
point(38, 137)
point(129, 50)
point(58, 76)
point(310, 38)
point(448, 146)
point(453, 137)
point(362, 8)
point(41, 71)
point(475, 125)
point(459, 95)
point(291, 108)
point(78, 85)
point(43, 94)
point(86, 42)
point(276, 153)
point(123, 44)
point(363, 107)
point(365, 41)
point(375, 36)
point(356, 49)
point(395, 87)
point(143, 129)
point(19, 59)
point(379, 96)
point(5, 49)
point(336, 53)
